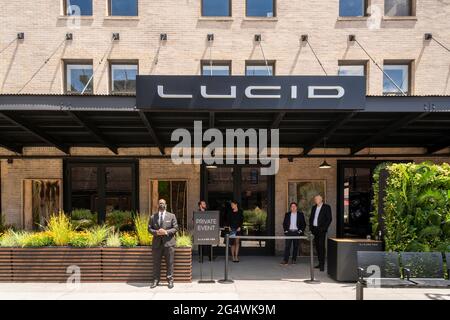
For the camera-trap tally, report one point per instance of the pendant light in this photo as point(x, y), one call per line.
point(325, 164)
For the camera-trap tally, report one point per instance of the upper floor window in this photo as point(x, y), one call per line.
point(216, 8)
point(123, 77)
point(78, 7)
point(397, 76)
point(398, 8)
point(352, 8)
point(260, 68)
point(78, 77)
point(123, 7)
point(260, 8)
point(216, 68)
point(352, 68)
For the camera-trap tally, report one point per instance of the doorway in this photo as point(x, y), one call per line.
point(100, 186)
point(254, 194)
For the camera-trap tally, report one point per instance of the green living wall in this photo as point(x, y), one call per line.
point(416, 206)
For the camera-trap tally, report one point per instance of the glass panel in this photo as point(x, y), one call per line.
point(351, 8)
point(259, 70)
point(78, 76)
point(79, 7)
point(216, 8)
point(260, 8)
point(124, 7)
point(351, 70)
point(254, 195)
point(215, 70)
point(397, 7)
point(124, 78)
point(220, 191)
point(118, 188)
point(357, 201)
point(399, 75)
point(84, 188)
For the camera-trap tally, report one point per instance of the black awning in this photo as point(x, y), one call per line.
point(114, 122)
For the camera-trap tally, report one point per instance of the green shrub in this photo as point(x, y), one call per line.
point(12, 239)
point(120, 220)
point(83, 219)
point(97, 235)
point(184, 240)
point(61, 228)
point(79, 239)
point(113, 240)
point(416, 206)
point(128, 240)
point(141, 227)
point(37, 239)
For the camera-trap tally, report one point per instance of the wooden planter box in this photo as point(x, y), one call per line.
point(50, 264)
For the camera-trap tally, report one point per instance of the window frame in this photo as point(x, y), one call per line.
point(204, 63)
point(364, 63)
point(230, 8)
point(111, 80)
point(412, 10)
point(365, 10)
point(68, 62)
point(409, 64)
point(274, 15)
point(260, 63)
point(131, 16)
point(66, 7)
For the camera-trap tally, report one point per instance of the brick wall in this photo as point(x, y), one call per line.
point(45, 28)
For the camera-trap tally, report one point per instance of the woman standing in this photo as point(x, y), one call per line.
point(235, 221)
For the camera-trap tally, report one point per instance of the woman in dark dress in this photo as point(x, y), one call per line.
point(235, 221)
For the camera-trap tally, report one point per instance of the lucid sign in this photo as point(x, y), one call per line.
point(238, 92)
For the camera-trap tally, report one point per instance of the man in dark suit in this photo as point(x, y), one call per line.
point(293, 225)
point(163, 226)
point(319, 222)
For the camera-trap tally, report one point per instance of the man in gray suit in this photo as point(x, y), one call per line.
point(163, 226)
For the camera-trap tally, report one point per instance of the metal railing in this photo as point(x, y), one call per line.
point(226, 278)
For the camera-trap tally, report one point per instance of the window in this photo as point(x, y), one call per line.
point(123, 77)
point(78, 7)
point(352, 8)
point(216, 8)
point(260, 8)
point(398, 74)
point(78, 77)
point(123, 7)
point(398, 8)
point(352, 68)
point(216, 68)
point(260, 68)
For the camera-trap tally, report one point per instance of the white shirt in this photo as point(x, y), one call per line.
point(316, 216)
point(293, 225)
point(163, 215)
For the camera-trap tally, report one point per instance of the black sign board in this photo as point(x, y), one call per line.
point(251, 93)
point(206, 228)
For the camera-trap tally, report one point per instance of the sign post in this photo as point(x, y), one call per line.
point(206, 232)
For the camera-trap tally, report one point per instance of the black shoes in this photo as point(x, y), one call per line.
point(154, 284)
point(283, 263)
point(170, 285)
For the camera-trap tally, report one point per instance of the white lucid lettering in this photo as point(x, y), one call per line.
point(293, 92)
point(176, 96)
point(249, 92)
point(205, 95)
point(312, 92)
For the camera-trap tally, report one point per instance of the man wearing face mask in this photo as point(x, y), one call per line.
point(163, 226)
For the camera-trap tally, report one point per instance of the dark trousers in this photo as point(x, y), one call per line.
point(205, 251)
point(319, 242)
point(287, 248)
point(158, 253)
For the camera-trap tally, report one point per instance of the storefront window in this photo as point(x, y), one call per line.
point(175, 194)
point(123, 7)
point(259, 69)
point(396, 78)
point(352, 8)
point(78, 7)
point(216, 8)
point(123, 78)
point(260, 8)
point(397, 8)
point(215, 68)
point(78, 78)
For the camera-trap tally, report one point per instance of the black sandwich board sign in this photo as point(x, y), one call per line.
point(206, 228)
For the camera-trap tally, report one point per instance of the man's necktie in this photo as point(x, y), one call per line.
point(160, 220)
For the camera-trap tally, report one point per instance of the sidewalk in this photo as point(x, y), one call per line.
point(281, 282)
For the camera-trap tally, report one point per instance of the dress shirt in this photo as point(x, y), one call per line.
point(316, 216)
point(293, 225)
